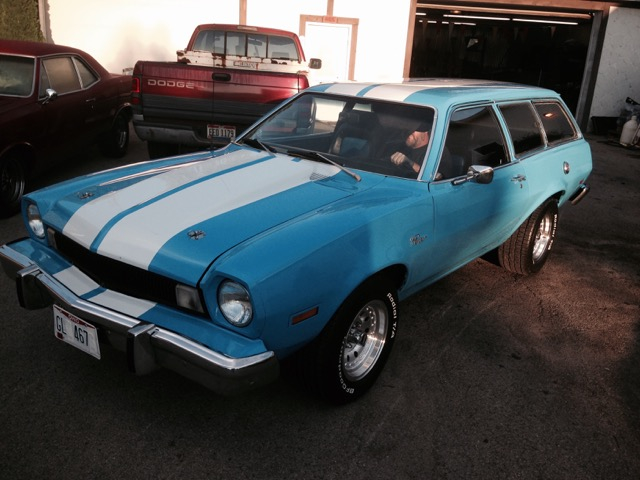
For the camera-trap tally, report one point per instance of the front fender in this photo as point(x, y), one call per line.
point(314, 262)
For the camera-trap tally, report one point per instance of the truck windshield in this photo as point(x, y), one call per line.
point(361, 134)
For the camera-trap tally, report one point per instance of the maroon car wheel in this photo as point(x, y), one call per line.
point(12, 185)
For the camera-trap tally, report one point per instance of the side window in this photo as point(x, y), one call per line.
point(555, 122)
point(283, 48)
point(473, 138)
point(523, 127)
point(62, 75)
point(87, 76)
point(210, 41)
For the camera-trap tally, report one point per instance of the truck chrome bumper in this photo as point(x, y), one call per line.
point(147, 346)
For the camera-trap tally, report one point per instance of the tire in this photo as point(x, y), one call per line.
point(12, 185)
point(116, 142)
point(346, 359)
point(528, 249)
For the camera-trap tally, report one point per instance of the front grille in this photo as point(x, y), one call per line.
point(118, 276)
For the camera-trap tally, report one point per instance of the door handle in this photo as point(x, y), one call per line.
point(519, 179)
point(221, 77)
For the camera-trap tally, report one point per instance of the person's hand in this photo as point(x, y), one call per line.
point(399, 158)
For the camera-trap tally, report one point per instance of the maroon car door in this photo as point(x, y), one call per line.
point(67, 113)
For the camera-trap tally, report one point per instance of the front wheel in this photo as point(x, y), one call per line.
point(527, 250)
point(12, 185)
point(349, 354)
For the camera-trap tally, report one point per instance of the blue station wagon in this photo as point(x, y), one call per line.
point(298, 241)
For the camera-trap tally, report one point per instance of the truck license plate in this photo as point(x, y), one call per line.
point(221, 131)
point(75, 331)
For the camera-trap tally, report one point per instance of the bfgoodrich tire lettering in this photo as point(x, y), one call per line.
point(527, 250)
point(346, 359)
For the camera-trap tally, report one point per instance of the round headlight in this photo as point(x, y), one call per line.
point(35, 221)
point(235, 303)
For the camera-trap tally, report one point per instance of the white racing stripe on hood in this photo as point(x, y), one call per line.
point(137, 237)
point(87, 222)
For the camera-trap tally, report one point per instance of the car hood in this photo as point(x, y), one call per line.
point(176, 219)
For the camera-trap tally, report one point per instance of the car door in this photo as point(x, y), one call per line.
point(469, 217)
point(67, 113)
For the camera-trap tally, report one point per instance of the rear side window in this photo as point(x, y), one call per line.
point(523, 127)
point(87, 76)
point(555, 122)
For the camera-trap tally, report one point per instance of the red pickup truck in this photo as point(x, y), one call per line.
point(226, 78)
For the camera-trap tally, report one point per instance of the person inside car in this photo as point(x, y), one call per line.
point(411, 154)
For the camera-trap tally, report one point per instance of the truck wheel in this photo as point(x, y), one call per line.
point(351, 351)
point(527, 250)
point(12, 185)
point(116, 141)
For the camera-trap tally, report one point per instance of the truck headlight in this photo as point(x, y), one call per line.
point(235, 303)
point(34, 220)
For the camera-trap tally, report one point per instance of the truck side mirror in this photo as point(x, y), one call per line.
point(315, 63)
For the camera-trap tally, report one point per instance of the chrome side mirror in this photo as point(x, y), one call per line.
point(50, 96)
point(476, 173)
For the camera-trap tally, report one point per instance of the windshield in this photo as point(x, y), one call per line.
point(357, 133)
point(16, 75)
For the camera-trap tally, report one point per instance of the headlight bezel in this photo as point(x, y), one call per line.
point(235, 303)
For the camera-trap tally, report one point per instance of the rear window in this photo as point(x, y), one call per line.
point(555, 122)
point(16, 75)
point(523, 127)
point(242, 44)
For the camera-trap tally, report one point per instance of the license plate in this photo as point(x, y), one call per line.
point(221, 131)
point(75, 331)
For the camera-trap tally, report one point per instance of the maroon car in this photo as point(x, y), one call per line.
point(54, 100)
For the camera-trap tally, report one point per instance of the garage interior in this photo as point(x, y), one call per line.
point(548, 48)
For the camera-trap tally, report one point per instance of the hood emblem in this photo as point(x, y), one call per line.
point(196, 234)
point(85, 195)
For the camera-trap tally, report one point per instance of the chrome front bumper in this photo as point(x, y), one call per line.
point(147, 346)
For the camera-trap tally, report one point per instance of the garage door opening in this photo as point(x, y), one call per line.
point(547, 49)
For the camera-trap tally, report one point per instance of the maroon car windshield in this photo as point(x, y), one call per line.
point(16, 75)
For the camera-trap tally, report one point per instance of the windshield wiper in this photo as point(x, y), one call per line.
point(313, 155)
point(255, 143)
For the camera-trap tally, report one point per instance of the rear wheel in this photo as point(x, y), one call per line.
point(116, 142)
point(12, 184)
point(527, 250)
point(347, 357)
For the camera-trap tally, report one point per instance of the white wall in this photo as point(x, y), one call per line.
point(119, 32)
point(619, 72)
